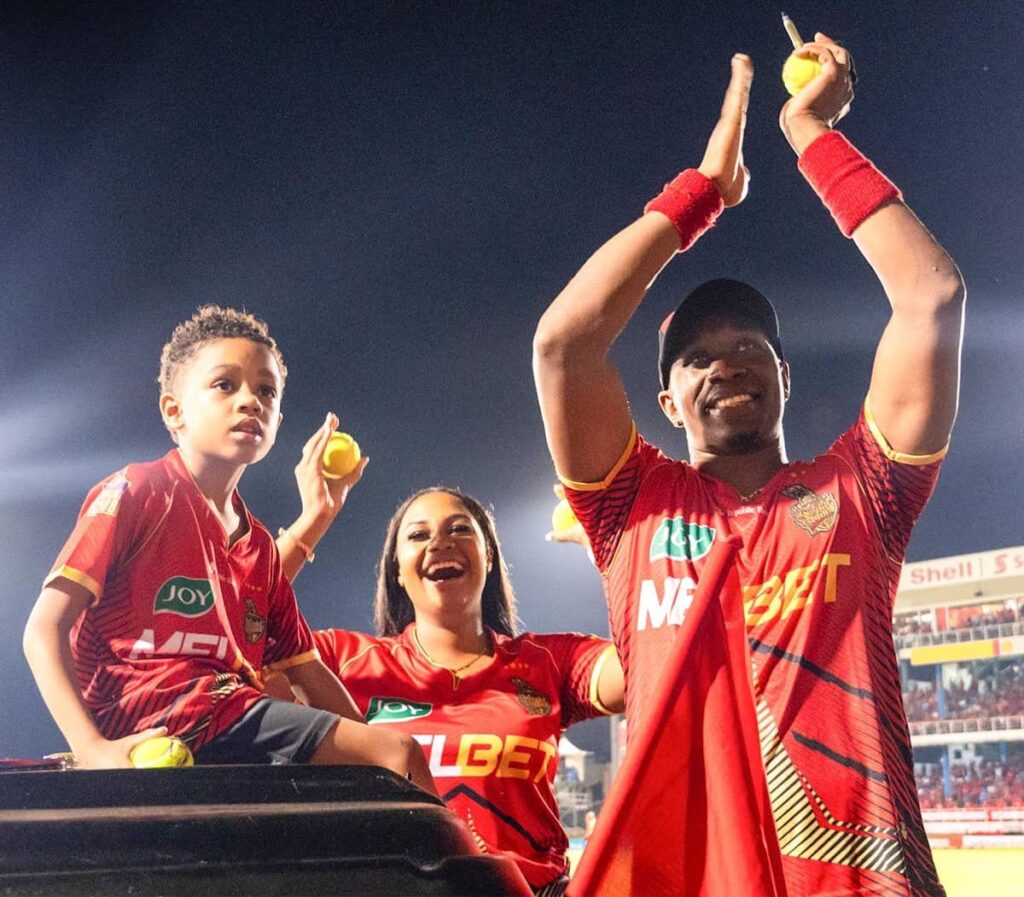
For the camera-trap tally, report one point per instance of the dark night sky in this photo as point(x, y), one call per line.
point(399, 189)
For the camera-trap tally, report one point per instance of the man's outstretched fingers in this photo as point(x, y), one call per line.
point(737, 94)
point(723, 158)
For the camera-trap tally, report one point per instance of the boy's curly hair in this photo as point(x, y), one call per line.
point(213, 322)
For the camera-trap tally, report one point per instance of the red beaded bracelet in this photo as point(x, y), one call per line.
point(846, 182)
point(691, 202)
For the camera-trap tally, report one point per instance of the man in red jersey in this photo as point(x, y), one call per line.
point(158, 613)
point(822, 542)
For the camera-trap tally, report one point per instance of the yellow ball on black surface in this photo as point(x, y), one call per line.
point(161, 751)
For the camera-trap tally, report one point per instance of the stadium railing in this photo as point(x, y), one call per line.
point(967, 726)
point(969, 634)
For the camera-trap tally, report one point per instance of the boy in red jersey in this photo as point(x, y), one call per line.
point(159, 610)
point(822, 542)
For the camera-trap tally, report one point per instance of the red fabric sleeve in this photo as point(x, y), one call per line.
point(287, 630)
point(576, 658)
point(104, 533)
point(897, 490)
point(339, 646)
point(603, 508)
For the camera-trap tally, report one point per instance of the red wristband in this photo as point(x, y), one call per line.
point(846, 182)
point(691, 202)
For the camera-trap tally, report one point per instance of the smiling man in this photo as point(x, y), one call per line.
point(821, 542)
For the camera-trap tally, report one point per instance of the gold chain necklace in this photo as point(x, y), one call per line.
point(453, 670)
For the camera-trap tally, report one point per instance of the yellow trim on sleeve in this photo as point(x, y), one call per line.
point(77, 576)
point(891, 453)
point(610, 476)
point(241, 665)
point(595, 678)
point(293, 661)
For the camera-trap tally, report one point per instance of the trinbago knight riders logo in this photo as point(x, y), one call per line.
point(109, 497)
point(254, 624)
point(535, 702)
point(811, 512)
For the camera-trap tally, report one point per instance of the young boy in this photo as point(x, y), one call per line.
point(168, 597)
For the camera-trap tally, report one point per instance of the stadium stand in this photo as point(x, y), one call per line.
point(959, 634)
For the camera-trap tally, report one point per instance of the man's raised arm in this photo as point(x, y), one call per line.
point(586, 415)
point(916, 375)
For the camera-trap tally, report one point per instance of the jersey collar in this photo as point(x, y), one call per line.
point(176, 465)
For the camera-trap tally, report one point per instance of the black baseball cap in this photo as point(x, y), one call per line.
point(722, 298)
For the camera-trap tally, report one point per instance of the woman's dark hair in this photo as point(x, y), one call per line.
point(392, 608)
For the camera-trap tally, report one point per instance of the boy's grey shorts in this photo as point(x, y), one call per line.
point(270, 731)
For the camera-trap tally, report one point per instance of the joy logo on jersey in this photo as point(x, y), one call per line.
point(679, 540)
point(395, 710)
point(185, 597)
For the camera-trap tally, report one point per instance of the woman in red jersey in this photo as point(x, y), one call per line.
point(447, 667)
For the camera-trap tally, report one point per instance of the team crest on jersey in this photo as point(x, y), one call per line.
point(679, 540)
point(535, 702)
point(396, 710)
point(184, 597)
point(812, 512)
point(254, 624)
point(110, 496)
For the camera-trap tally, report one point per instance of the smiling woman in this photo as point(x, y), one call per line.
point(488, 706)
point(442, 568)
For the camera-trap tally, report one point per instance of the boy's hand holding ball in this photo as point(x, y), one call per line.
point(331, 465)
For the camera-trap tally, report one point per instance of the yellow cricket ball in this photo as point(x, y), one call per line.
point(164, 750)
point(798, 72)
point(563, 517)
point(341, 456)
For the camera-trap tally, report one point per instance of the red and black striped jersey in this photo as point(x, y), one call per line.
point(491, 738)
point(822, 544)
point(180, 622)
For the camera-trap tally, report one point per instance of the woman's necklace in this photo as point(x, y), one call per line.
point(453, 670)
point(750, 496)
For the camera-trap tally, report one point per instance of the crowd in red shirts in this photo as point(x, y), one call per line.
point(974, 697)
point(907, 625)
point(982, 783)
